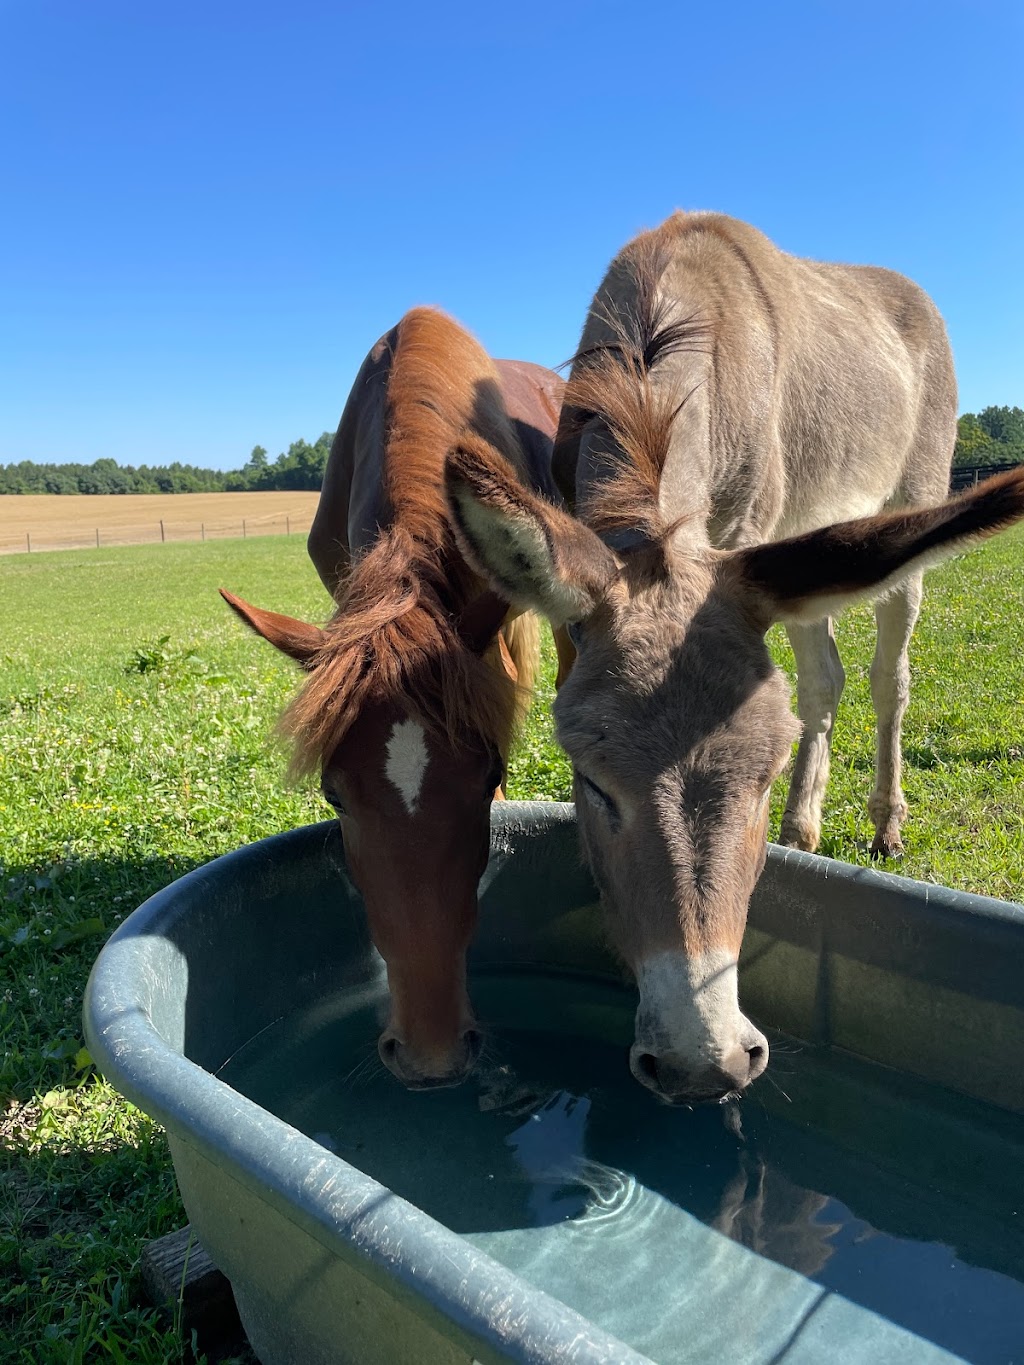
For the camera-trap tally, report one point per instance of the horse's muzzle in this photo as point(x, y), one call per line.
point(433, 1070)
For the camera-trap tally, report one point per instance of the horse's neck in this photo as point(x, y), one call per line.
point(354, 506)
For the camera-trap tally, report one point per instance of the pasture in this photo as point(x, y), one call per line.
point(72, 521)
point(135, 742)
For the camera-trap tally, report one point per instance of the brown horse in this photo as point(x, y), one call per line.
point(414, 685)
point(727, 404)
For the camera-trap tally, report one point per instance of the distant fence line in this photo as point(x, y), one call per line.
point(155, 532)
point(162, 531)
point(971, 475)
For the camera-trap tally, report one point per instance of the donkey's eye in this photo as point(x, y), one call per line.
point(596, 796)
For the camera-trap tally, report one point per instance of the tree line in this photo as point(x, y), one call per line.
point(301, 466)
point(994, 436)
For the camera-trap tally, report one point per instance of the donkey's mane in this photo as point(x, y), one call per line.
point(614, 381)
point(394, 635)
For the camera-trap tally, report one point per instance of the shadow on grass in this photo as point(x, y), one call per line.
point(928, 756)
point(85, 1179)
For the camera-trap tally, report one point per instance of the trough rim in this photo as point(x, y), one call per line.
point(432, 1268)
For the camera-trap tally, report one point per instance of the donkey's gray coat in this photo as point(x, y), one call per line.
point(824, 392)
point(728, 403)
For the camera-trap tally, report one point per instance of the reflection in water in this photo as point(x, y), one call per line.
point(645, 1217)
point(763, 1210)
point(564, 1183)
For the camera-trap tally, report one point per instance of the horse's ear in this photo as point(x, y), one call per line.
point(534, 554)
point(812, 576)
point(297, 639)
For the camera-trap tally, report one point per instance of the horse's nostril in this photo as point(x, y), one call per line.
point(647, 1065)
point(474, 1042)
point(388, 1049)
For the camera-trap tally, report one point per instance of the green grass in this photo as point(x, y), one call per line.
point(126, 758)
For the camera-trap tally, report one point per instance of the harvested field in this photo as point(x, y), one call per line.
point(70, 522)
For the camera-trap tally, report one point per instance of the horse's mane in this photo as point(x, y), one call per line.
point(394, 635)
point(616, 382)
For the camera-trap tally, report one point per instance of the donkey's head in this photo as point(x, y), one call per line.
point(677, 722)
point(407, 723)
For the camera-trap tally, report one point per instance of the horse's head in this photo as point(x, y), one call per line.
point(677, 722)
point(414, 812)
point(413, 800)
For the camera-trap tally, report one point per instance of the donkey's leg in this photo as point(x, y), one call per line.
point(895, 616)
point(819, 685)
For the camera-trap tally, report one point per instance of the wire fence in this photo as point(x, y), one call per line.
point(81, 536)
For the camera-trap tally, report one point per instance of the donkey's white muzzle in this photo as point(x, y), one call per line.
point(692, 1043)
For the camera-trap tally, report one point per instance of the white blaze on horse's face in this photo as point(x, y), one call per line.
point(407, 761)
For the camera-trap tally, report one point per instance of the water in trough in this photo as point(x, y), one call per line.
point(902, 1198)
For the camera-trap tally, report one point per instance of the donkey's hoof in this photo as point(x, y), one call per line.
point(795, 834)
point(887, 844)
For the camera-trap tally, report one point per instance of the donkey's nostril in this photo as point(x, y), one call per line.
point(474, 1042)
point(647, 1065)
point(757, 1059)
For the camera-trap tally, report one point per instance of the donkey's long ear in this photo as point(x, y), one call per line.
point(818, 574)
point(294, 638)
point(534, 554)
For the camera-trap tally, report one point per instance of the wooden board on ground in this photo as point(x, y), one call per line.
point(180, 1278)
point(40, 521)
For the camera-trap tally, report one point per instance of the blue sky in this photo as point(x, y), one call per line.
point(210, 211)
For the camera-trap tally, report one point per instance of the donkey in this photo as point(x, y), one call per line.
point(414, 685)
point(727, 403)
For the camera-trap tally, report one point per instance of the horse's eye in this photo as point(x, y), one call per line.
point(596, 796)
point(332, 800)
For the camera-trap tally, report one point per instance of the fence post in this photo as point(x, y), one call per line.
point(975, 478)
point(243, 528)
point(162, 536)
point(202, 531)
point(287, 526)
point(97, 537)
point(28, 541)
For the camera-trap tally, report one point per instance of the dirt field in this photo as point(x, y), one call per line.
point(49, 522)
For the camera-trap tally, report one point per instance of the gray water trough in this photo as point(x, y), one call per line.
point(909, 1004)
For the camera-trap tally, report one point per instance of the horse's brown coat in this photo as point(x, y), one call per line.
point(414, 642)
